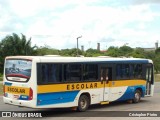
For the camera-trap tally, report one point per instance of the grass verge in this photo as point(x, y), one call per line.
point(1, 89)
point(157, 77)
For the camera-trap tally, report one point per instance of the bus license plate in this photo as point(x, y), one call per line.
point(15, 97)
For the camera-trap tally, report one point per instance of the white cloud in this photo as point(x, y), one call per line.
point(58, 23)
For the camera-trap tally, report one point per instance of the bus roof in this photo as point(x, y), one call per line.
point(80, 59)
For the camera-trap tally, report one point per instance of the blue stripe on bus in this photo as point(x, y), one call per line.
point(129, 93)
point(56, 97)
point(8, 84)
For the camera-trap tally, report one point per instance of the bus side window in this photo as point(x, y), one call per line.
point(44, 73)
point(90, 72)
point(66, 72)
point(51, 73)
point(118, 71)
point(131, 73)
point(39, 73)
point(54, 73)
point(122, 71)
point(138, 71)
point(72, 72)
point(109, 73)
point(53, 69)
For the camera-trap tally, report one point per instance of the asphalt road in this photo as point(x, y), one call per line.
point(146, 104)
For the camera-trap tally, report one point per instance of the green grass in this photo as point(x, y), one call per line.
point(1, 89)
point(157, 77)
point(1, 78)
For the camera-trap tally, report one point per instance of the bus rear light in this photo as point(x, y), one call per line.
point(4, 92)
point(30, 94)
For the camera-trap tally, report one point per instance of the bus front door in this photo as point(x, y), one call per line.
point(106, 75)
point(149, 80)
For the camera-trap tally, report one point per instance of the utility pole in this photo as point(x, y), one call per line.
point(77, 44)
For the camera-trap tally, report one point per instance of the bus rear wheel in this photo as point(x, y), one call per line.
point(83, 103)
point(137, 96)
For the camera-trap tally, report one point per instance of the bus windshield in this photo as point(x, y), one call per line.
point(18, 70)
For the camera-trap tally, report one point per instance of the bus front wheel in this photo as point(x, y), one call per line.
point(83, 103)
point(137, 96)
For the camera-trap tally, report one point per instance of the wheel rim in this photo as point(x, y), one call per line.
point(137, 96)
point(83, 103)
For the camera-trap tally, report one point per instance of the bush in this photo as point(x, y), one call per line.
point(1, 75)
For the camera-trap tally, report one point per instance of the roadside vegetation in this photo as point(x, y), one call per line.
point(15, 44)
point(1, 77)
point(1, 89)
point(157, 77)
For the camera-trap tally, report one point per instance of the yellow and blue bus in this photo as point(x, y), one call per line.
point(60, 82)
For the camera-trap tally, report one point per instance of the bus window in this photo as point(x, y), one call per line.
point(122, 71)
point(45, 73)
point(126, 71)
point(49, 73)
point(72, 72)
point(138, 71)
point(109, 73)
point(118, 71)
point(18, 70)
point(90, 72)
point(131, 71)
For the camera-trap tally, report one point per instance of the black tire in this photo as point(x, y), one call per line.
point(83, 103)
point(137, 96)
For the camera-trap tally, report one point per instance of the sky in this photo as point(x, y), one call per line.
point(58, 23)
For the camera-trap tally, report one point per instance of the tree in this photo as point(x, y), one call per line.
point(156, 61)
point(125, 50)
point(157, 51)
point(138, 53)
point(113, 51)
point(14, 45)
point(150, 54)
point(93, 53)
point(70, 52)
point(46, 50)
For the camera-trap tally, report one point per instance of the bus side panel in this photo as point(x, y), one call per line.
point(67, 98)
point(129, 93)
point(56, 97)
point(125, 89)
